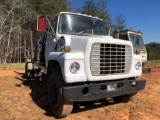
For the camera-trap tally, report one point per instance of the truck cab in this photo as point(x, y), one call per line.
point(80, 62)
point(137, 40)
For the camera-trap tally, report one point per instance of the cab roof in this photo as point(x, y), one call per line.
point(80, 15)
point(133, 31)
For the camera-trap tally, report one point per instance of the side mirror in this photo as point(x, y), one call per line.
point(41, 23)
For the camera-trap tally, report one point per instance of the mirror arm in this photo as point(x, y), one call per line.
point(54, 34)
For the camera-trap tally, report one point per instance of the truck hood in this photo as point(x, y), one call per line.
point(79, 43)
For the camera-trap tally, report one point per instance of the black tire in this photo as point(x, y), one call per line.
point(59, 106)
point(125, 98)
point(28, 70)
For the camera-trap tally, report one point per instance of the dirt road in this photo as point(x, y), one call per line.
point(27, 100)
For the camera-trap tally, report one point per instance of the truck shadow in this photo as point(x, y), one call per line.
point(39, 96)
point(89, 105)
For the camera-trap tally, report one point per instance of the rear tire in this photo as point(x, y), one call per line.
point(28, 70)
point(59, 106)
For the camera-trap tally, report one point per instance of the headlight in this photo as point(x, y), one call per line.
point(138, 65)
point(74, 67)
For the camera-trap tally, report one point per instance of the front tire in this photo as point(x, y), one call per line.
point(59, 106)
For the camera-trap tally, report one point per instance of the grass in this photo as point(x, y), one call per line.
point(107, 111)
point(153, 63)
point(21, 66)
point(12, 66)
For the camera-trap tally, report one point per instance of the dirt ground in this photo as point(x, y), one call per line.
point(27, 100)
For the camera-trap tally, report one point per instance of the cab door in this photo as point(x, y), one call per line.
point(50, 44)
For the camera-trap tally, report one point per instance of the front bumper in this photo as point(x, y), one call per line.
point(90, 92)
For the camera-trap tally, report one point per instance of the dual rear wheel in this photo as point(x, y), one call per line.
point(28, 70)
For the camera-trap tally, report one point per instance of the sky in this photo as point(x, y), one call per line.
point(143, 15)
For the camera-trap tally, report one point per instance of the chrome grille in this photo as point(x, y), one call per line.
point(109, 59)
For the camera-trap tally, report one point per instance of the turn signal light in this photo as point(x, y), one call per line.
point(138, 52)
point(67, 48)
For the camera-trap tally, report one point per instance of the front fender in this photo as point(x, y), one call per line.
point(65, 60)
point(136, 58)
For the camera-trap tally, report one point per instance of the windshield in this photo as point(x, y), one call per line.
point(137, 41)
point(81, 25)
point(123, 37)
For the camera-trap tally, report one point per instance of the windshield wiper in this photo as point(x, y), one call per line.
point(83, 32)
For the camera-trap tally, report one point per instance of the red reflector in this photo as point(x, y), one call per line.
point(41, 23)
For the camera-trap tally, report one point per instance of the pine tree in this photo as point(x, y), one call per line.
point(120, 23)
point(97, 9)
point(104, 13)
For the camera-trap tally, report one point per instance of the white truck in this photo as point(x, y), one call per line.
point(80, 62)
point(138, 44)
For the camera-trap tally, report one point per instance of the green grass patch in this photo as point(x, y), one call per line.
point(12, 66)
point(153, 63)
point(107, 111)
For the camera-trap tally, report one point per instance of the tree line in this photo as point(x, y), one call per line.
point(18, 24)
point(18, 20)
point(153, 51)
